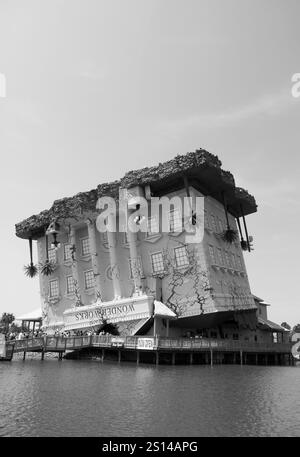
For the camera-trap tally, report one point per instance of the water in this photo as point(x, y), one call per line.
point(87, 398)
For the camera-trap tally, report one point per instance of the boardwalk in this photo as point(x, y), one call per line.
point(161, 350)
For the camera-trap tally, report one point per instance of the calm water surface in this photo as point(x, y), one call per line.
point(87, 398)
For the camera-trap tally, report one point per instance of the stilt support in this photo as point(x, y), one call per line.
point(137, 357)
point(173, 358)
point(157, 358)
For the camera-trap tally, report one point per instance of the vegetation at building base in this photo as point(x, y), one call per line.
point(5, 321)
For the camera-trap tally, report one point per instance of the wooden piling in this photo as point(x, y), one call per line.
point(137, 357)
point(241, 357)
point(191, 358)
point(173, 358)
point(211, 358)
point(157, 358)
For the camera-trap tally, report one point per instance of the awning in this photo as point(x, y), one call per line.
point(162, 310)
point(35, 315)
point(269, 325)
point(130, 328)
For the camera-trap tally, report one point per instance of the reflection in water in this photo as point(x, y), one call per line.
point(87, 398)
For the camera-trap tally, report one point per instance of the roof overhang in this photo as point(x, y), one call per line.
point(201, 168)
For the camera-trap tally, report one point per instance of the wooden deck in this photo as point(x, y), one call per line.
point(162, 347)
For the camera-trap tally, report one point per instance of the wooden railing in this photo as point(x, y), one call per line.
point(61, 344)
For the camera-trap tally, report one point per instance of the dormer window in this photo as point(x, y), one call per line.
point(70, 285)
point(89, 279)
point(152, 226)
point(157, 261)
point(181, 257)
point(52, 255)
point(85, 247)
point(213, 223)
point(212, 254)
point(175, 221)
point(53, 288)
point(67, 252)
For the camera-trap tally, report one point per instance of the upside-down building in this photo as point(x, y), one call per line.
point(152, 281)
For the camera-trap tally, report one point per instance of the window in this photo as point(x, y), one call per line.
point(220, 256)
point(157, 261)
point(181, 257)
point(227, 259)
point(89, 279)
point(206, 219)
point(152, 225)
point(213, 223)
point(138, 266)
point(220, 223)
point(53, 288)
point(70, 285)
point(233, 260)
point(52, 255)
point(212, 254)
point(239, 262)
point(275, 337)
point(85, 246)
point(67, 252)
point(175, 221)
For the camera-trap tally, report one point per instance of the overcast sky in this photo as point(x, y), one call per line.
point(97, 88)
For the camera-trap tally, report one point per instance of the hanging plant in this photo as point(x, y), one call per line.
point(48, 267)
point(30, 269)
point(229, 235)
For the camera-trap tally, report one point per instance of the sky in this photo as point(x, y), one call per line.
point(95, 88)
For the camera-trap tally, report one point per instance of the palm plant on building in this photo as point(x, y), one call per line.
point(229, 235)
point(48, 266)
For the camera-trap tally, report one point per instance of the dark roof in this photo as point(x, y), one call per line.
point(266, 324)
point(202, 169)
